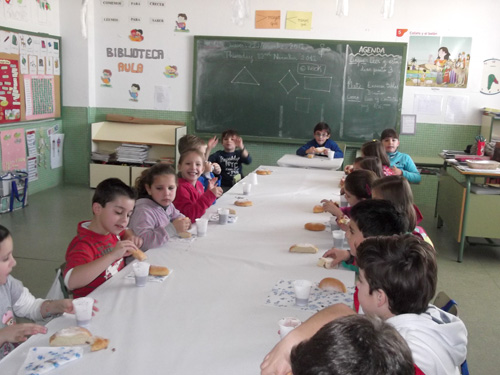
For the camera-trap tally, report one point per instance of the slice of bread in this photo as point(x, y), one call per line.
point(303, 248)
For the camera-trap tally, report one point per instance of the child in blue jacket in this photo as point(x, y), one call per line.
point(321, 140)
point(401, 163)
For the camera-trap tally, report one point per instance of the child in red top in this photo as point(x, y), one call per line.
point(191, 199)
point(96, 253)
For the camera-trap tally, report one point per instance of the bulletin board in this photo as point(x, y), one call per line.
point(30, 76)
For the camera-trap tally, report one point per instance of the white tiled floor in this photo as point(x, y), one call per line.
point(43, 230)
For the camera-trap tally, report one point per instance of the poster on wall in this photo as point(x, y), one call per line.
point(438, 61)
point(39, 96)
point(13, 149)
point(56, 150)
point(10, 103)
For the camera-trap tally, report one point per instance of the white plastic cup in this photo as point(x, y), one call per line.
point(201, 227)
point(333, 223)
point(141, 272)
point(338, 238)
point(331, 154)
point(302, 290)
point(83, 311)
point(253, 178)
point(287, 325)
point(246, 188)
point(223, 215)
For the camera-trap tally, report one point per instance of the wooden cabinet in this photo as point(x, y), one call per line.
point(108, 135)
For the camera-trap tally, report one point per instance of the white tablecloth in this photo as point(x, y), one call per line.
point(210, 315)
point(320, 162)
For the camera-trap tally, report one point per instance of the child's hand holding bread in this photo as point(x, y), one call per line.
point(181, 224)
point(332, 207)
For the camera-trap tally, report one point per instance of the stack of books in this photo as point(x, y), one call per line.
point(130, 153)
point(103, 157)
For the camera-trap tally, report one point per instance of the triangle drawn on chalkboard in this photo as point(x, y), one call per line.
point(244, 77)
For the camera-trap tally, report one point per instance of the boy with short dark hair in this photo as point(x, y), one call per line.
point(397, 280)
point(321, 143)
point(353, 345)
point(230, 159)
point(97, 251)
point(401, 164)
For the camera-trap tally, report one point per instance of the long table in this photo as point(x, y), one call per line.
point(321, 162)
point(210, 315)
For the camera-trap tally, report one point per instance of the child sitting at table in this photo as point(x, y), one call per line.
point(97, 251)
point(17, 301)
point(368, 218)
point(370, 163)
point(397, 190)
point(401, 163)
point(211, 170)
point(321, 140)
point(353, 345)
point(155, 219)
point(357, 187)
point(230, 159)
point(376, 149)
point(191, 199)
point(397, 280)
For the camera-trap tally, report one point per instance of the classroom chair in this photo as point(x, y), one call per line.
point(58, 290)
point(447, 304)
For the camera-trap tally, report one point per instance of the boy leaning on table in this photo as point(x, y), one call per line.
point(97, 252)
point(321, 139)
point(398, 277)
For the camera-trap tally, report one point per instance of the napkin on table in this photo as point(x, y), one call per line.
point(41, 360)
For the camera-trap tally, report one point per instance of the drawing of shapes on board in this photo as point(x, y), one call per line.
point(288, 82)
point(244, 77)
point(428, 105)
point(318, 83)
point(311, 69)
point(302, 104)
point(490, 82)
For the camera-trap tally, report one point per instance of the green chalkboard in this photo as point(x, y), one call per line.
point(278, 89)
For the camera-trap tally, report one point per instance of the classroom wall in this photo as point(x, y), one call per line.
point(29, 16)
point(84, 59)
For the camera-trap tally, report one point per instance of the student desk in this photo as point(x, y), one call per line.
point(320, 162)
point(210, 315)
point(465, 213)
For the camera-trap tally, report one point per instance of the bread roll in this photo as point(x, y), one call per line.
point(325, 262)
point(320, 150)
point(303, 248)
point(243, 203)
point(158, 271)
point(184, 235)
point(139, 255)
point(318, 209)
point(99, 344)
point(263, 172)
point(344, 220)
point(71, 336)
point(316, 227)
point(310, 156)
point(332, 285)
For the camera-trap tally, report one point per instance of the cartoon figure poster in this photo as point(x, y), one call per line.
point(13, 149)
point(435, 61)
